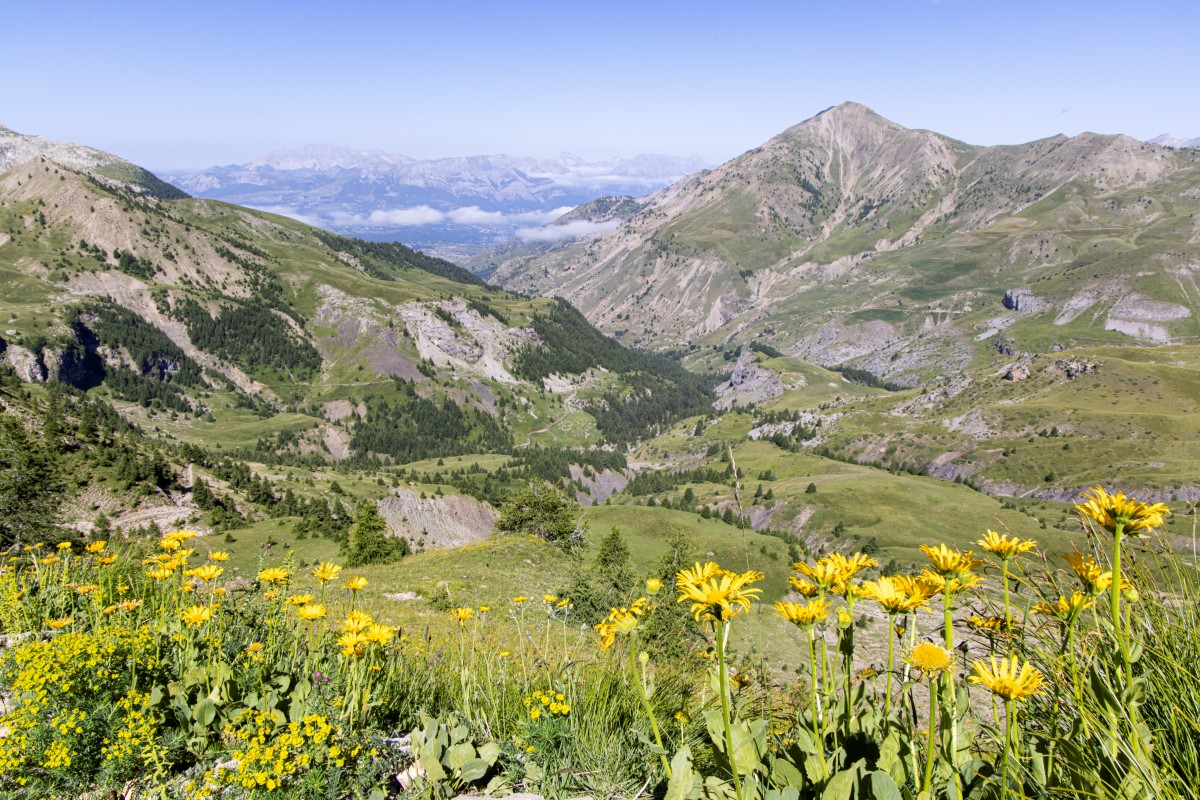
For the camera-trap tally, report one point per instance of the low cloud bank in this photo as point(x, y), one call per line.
point(426, 215)
point(571, 230)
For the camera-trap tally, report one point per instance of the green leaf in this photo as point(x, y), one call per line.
point(473, 770)
point(683, 780)
point(205, 712)
point(882, 786)
point(840, 786)
point(489, 752)
point(459, 754)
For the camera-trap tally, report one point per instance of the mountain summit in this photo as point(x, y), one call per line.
point(851, 240)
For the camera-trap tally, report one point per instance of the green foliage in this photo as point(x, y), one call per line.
point(541, 511)
point(252, 336)
point(368, 541)
point(32, 486)
point(388, 260)
point(450, 762)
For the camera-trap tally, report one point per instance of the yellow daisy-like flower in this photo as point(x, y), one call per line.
point(255, 651)
point(379, 633)
point(58, 624)
point(196, 615)
point(1006, 678)
point(356, 622)
point(563, 603)
point(850, 566)
point(219, 555)
point(64, 545)
point(1096, 579)
point(951, 562)
point(992, 626)
point(804, 587)
point(461, 615)
point(1111, 511)
point(653, 586)
point(999, 545)
point(104, 561)
point(550, 598)
point(326, 572)
point(929, 657)
point(1066, 607)
point(276, 575)
point(87, 589)
point(945, 584)
point(312, 612)
point(300, 599)
point(160, 573)
point(804, 615)
point(356, 584)
point(825, 574)
point(520, 600)
point(97, 547)
point(353, 643)
point(484, 609)
point(181, 535)
point(208, 573)
point(720, 596)
point(898, 594)
point(170, 545)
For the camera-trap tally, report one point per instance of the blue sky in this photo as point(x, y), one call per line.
point(174, 84)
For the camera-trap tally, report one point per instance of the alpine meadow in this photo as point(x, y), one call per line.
point(860, 466)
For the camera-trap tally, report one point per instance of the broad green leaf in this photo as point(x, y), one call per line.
point(473, 770)
point(840, 786)
point(489, 752)
point(883, 787)
point(459, 754)
point(683, 780)
point(205, 712)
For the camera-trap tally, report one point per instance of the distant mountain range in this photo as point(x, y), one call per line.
point(448, 206)
point(852, 241)
point(1167, 140)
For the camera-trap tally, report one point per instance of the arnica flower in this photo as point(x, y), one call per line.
point(169, 544)
point(207, 573)
point(461, 615)
point(804, 587)
point(58, 624)
point(718, 596)
point(104, 561)
point(276, 575)
point(992, 626)
point(218, 555)
point(353, 644)
point(898, 594)
point(299, 599)
point(63, 545)
point(255, 651)
point(160, 573)
point(825, 574)
point(803, 615)
point(326, 572)
point(1005, 679)
point(1066, 607)
point(850, 566)
point(356, 622)
point(484, 609)
point(1095, 579)
point(623, 621)
point(196, 615)
point(937, 584)
point(87, 589)
point(999, 545)
point(563, 603)
point(550, 598)
point(378, 633)
point(520, 600)
point(312, 612)
point(653, 586)
point(1112, 510)
point(356, 584)
point(97, 547)
point(951, 562)
point(929, 657)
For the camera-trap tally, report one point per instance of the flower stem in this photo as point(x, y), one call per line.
point(929, 750)
point(816, 704)
point(723, 678)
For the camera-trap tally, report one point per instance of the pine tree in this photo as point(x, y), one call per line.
point(368, 542)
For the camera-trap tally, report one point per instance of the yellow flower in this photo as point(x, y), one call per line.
point(219, 555)
point(849, 567)
point(898, 594)
point(208, 573)
point(929, 657)
point(106, 560)
point(1096, 580)
point(721, 595)
point(355, 584)
point(803, 614)
point(804, 587)
point(484, 609)
point(653, 586)
point(937, 584)
point(276, 575)
point(196, 615)
point(160, 573)
point(86, 589)
point(299, 599)
point(356, 622)
point(998, 544)
point(563, 603)
point(825, 574)
point(325, 571)
point(97, 547)
point(1111, 511)
point(1066, 607)
point(312, 612)
point(991, 626)
point(255, 651)
point(353, 643)
point(519, 600)
point(169, 544)
point(951, 562)
point(1005, 679)
point(550, 598)
point(59, 623)
point(379, 634)
point(63, 545)
point(461, 615)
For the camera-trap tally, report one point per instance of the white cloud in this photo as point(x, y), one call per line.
point(571, 230)
point(474, 215)
point(417, 215)
point(540, 217)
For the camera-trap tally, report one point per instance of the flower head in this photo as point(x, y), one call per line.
point(62, 622)
point(898, 594)
point(461, 615)
point(326, 572)
point(356, 622)
point(1111, 511)
point(1005, 679)
point(219, 555)
point(929, 657)
point(716, 594)
point(1095, 579)
point(299, 599)
point(951, 562)
point(97, 547)
point(207, 573)
point(999, 545)
point(803, 615)
point(379, 633)
point(196, 615)
point(353, 644)
point(356, 584)
point(276, 575)
point(312, 612)
point(653, 586)
point(1066, 607)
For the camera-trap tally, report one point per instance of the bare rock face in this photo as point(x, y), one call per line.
point(749, 383)
point(25, 364)
point(437, 522)
point(1017, 372)
point(1024, 300)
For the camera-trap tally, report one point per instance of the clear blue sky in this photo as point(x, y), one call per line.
point(191, 84)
